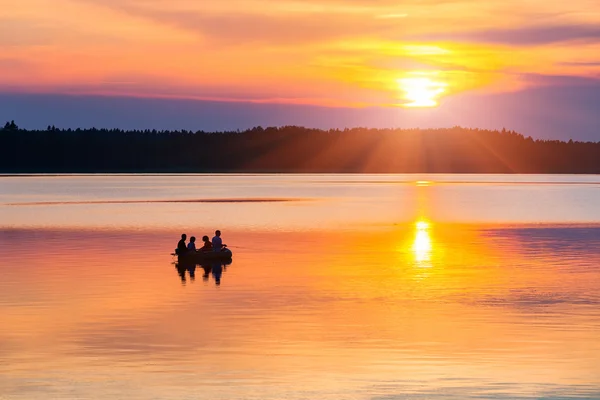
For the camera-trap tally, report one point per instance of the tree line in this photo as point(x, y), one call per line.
point(291, 149)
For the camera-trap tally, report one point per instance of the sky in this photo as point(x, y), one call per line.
point(528, 65)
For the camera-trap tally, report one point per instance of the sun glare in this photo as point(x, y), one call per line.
point(421, 91)
point(422, 246)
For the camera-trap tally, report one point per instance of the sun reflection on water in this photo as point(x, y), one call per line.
point(422, 245)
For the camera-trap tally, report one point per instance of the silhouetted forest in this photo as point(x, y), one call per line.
point(291, 149)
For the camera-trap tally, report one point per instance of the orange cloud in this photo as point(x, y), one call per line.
point(325, 52)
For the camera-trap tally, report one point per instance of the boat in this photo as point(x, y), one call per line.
point(199, 257)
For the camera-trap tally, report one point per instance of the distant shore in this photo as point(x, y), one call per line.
point(18, 174)
point(290, 149)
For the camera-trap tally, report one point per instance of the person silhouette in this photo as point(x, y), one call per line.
point(207, 246)
point(192, 244)
point(181, 246)
point(217, 242)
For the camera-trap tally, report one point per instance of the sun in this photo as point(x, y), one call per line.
point(421, 91)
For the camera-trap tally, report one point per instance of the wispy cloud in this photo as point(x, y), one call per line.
point(581, 63)
point(522, 36)
point(287, 25)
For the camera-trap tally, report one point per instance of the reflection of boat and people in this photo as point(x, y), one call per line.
point(213, 257)
point(215, 268)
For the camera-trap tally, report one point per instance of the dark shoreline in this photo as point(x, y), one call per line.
point(291, 150)
point(16, 174)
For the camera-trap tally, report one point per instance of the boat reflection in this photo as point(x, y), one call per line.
point(216, 268)
point(217, 271)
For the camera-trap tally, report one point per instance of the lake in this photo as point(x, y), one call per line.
point(341, 287)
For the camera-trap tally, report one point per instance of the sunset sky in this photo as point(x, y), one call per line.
point(529, 65)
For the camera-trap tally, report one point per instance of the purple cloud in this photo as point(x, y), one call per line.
point(530, 36)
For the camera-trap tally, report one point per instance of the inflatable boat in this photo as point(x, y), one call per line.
point(199, 257)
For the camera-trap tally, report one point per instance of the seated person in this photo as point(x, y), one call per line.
point(192, 244)
point(217, 242)
point(181, 247)
point(207, 244)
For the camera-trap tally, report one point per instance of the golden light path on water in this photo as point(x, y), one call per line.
point(422, 246)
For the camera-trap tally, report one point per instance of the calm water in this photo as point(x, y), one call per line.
point(341, 287)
